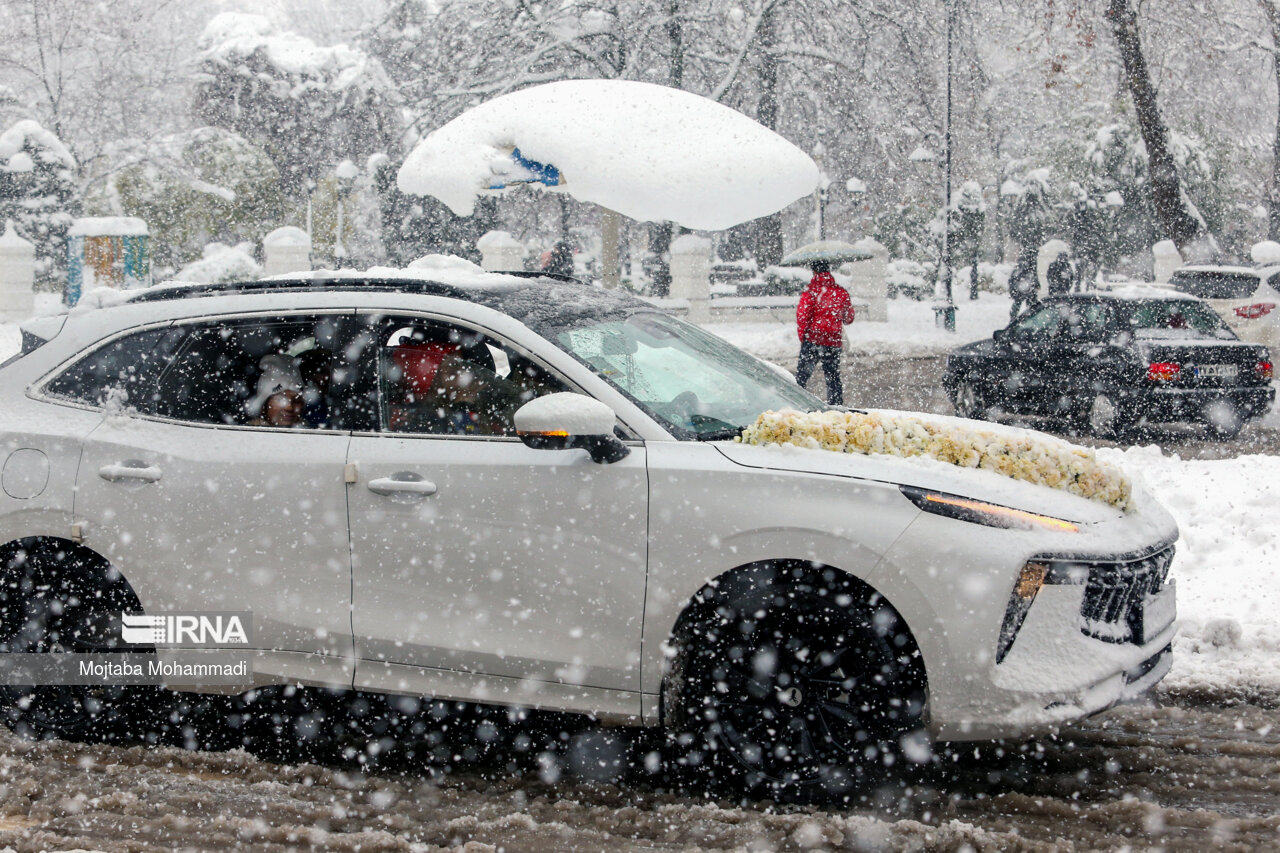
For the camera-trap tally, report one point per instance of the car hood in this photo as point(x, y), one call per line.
point(927, 473)
point(976, 348)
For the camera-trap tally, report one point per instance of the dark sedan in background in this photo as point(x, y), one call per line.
point(1110, 361)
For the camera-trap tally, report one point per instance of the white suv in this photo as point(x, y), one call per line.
point(520, 491)
point(1248, 298)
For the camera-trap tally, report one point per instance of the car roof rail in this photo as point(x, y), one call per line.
point(321, 284)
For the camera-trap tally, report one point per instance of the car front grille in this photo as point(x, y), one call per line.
point(1114, 594)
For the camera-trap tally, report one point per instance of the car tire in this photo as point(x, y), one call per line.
point(968, 401)
point(796, 683)
point(1105, 416)
point(53, 599)
point(1223, 419)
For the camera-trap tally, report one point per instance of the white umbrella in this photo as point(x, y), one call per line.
point(833, 252)
point(649, 152)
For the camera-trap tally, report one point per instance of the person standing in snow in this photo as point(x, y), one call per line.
point(1023, 287)
point(1060, 276)
point(820, 318)
point(560, 261)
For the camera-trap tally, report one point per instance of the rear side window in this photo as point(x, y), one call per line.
point(1210, 284)
point(1169, 318)
point(122, 372)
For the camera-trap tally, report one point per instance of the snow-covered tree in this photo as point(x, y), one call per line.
point(308, 106)
point(39, 192)
point(210, 185)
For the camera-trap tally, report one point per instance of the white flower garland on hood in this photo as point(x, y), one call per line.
point(1057, 465)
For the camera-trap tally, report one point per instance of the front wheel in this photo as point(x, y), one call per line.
point(967, 401)
point(1106, 417)
point(797, 682)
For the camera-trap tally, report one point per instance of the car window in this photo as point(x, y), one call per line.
point(120, 373)
point(1087, 321)
point(1215, 284)
point(288, 373)
point(443, 379)
point(1045, 323)
point(1171, 318)
point(697, 384)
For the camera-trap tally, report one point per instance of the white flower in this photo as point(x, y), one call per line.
point(1056, 465)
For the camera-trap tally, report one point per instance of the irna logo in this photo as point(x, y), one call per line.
point(185, 629)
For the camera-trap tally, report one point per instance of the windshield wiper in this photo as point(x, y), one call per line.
point(719, 434)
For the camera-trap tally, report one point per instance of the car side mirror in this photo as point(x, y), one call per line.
point(566, 420)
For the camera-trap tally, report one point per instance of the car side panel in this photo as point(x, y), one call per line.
point(708, 515)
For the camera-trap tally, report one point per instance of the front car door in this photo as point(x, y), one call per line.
point(484, 569)
point(208, 495)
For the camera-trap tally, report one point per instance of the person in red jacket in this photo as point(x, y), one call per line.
point(820, 318)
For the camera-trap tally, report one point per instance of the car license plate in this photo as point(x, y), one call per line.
point(1221, 371)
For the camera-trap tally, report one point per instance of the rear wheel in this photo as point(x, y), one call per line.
point(1223, 419)
point(797, 682)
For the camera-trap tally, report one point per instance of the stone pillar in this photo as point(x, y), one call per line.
point(691, 275)
point(286, 250)
point(1167, 260)
point(500, 251)
point(610, 272)
point(17, 275)
point(869, 280)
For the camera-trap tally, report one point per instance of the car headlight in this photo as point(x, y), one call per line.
point(981, 512)
point(1033, 575)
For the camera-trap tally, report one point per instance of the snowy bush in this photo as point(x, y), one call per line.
point(908, 278)
point(221, 263)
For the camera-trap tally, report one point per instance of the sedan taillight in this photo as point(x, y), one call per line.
point(1263, 369)
point(1255, 311)
point(1163, 371)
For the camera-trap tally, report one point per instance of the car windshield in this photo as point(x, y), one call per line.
point(695, 383)
point(1170, 318)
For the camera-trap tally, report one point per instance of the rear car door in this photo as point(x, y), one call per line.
point(515, 570)
point(205, 504)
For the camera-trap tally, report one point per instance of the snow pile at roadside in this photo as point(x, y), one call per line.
point(1225, 567)
point(612, 142)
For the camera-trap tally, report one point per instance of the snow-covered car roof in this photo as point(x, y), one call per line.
point(1233, 270)
point(1132, 292)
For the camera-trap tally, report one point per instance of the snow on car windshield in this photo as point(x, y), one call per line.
point(695, 383)
point(1176, 319)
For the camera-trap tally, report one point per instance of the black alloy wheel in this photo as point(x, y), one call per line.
point(798, 683)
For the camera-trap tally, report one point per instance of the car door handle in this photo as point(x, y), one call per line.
point(392, 486)
point(129, 471)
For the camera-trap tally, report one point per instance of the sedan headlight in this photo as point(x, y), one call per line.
point(981, 512)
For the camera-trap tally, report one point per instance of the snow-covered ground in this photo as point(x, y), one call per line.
point(1228, 598)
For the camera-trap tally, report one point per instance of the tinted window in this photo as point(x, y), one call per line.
point(279, 372)
point(449, 380)
point(1170, 318)
point(122, 372)
point(1046, 322)
point(1211, 284)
